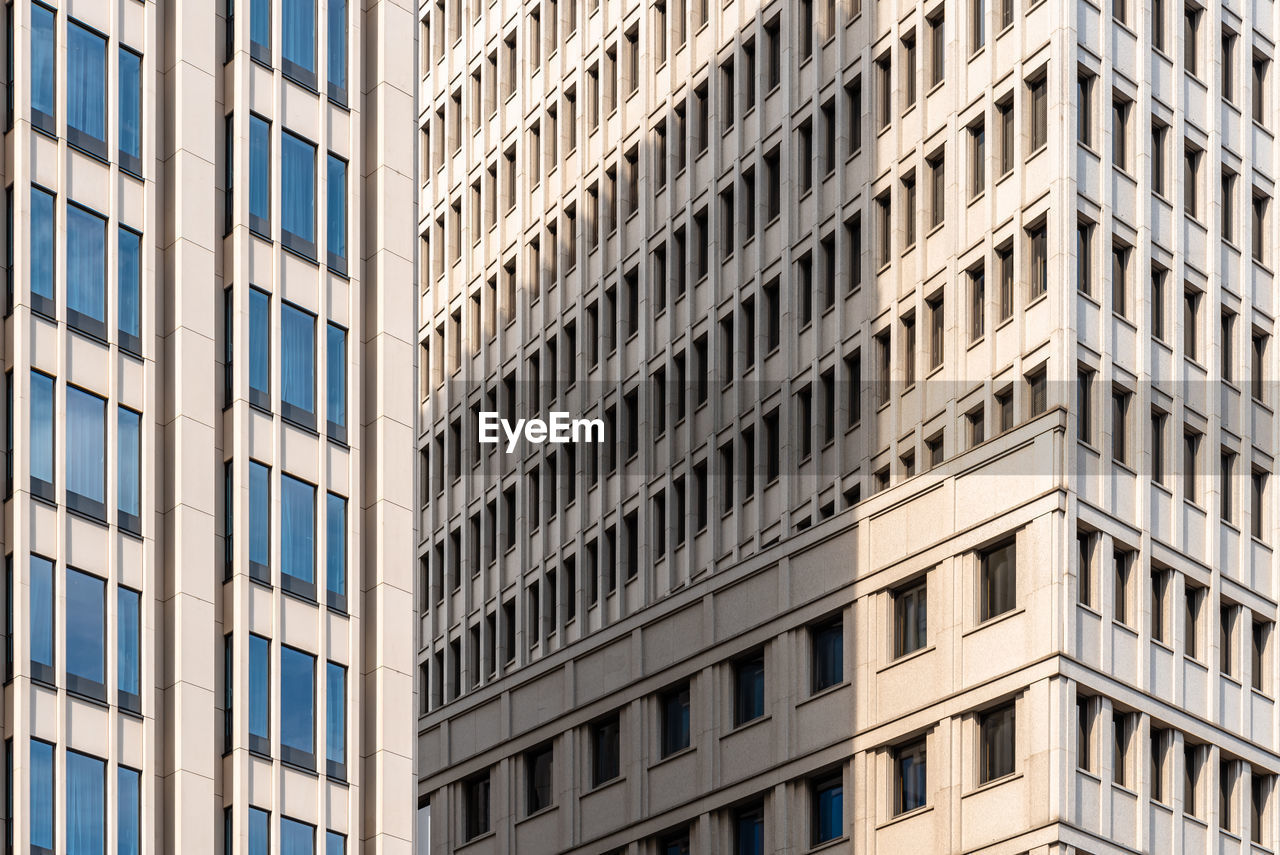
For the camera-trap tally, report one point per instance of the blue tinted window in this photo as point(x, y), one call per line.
point(44, 77)
point(42, 619)
point(259, 348)
point(299, 41)
point(297, 536)
point(42, 254)
point(335, 698)
point(749, 833)
point(129, 460)
point(86, 804)
point(297, 365)
point(130, 110)
point(828, 811)
point(298, 194)
point(86, 89)
point(129, 632)
point(296, 838)
point(336, 550)
point(42, 435)
point(334, 844)
point(259, 694)
point(129, 289)
point(298, 717)
point(86, 452)
point(259, 172)
point(86, 634)
point(260, 30)
point(128, 811)
point(336, 382)
point(228, 689)
point(260, 521)
point(259, 820)
point(86, 270)
point(336, 222)
point(338, 50)
point(41, 796)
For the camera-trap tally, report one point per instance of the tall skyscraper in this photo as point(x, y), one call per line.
point(934, 345)
point(208, 537)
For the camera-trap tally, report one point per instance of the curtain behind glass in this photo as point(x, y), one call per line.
point(335, 743)
point(296, 838)
point(129, 461)
point(129, 630)
point(86, 627)
point(336, 376)
point(260, 163)
point(259, 831)
point(336, 544)
point(130, 103)
point(298, 187)
point(41, 611)
point(337, 47)
point(86, 82)
point(42, 255)
point(86, 445)
point(130, 274)
point(129, 785)
point(298, 684)
point(259, 687)
point(86, 804)
point(336, 224)
point(297, 528)
point(260, 23)
point(259, 514)
point(86, 263)
point(260, 341)
point(298, 359)
point(43, 76)
point(299, 36)
point(42, 794)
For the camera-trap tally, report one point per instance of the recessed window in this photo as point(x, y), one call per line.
point(674, 710)
point(44, 76)
point(130, 106)
point(538, 765)
point(605, 750)
point(336, 212)
point(87, 79)
point(909, 777)
point(297, 194)
point(128, 649)
point(260, 695)
point(910, 619)
point(336, 551)
point(86, 271)
point(297, 715)
point(42, 251)
point(335, 729)
point(260, 172)
point(337, 59)
point(997, 581)
point(827, 654)
point(129, 467)
point(297, 365)
point(297, 536)
point(42, 429)
point(86, 428)
point(86, 801)
point(827, 808)
point(475, 806)
point(996, 744)
point(748, 688)
point(86, 634)
point(129, 291)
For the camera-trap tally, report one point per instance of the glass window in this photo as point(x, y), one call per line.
point(828, 809)
point(910, 619)
point(336, 382)
point(334, 843)
point(538, 765)
point(336, 223)
point(998, 581)
point(129, 640)
point(129, 439)
point(475, 806)
point(42, 619)
point(260, 695)
point(259, 820)
point(297, 365)
point(86, 804)
point(42, 426)
point(298, 194)
point(336, 551)
point(748, 689)
point(259, 168)
point(42, 253)
point(335, 738)
point(338, 52)
point(297, 536)
point(259, 348)
point(86, 271)
point(827, 655)
point(130, 111)
point(296, 838)
point(605, 750)
point(41, 777)
point(910, 779)
point(297, 717)
point(260, 31)
point(128, 811)
point(44, 76)
point(86, 453)
point(675, 720)
point(259, 522)
point(299, 41)
point(995, 738)
point(86, 89)
point(86, 634)
point(129, 290)
point(748, 831)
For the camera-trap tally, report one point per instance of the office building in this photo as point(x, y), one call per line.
point(204, 284)
point(934, 340)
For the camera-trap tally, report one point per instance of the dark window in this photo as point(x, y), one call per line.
point(748, 688)
point(674, 706)
point(827, 659)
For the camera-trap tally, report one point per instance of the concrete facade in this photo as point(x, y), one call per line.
point(962, 310)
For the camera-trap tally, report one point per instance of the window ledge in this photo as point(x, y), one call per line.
point(746, 725)
point(829, 690)
point(1118, 624)
point(828, 844)
point(543, 811)
point(992, 784)
point(991, 621)
point(905, 658)
point(903, 817)
point(612, 782)
point(673, 756)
